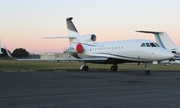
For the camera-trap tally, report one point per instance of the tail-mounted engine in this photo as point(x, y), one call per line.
point(176, 51)
point(76, 48)
point(88, 38)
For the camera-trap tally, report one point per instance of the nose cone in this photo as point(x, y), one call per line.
point(164, 54)
point(168, 55)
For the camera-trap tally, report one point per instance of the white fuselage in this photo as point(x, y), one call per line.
point(128, 50)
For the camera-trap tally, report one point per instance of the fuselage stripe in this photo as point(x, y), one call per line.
point(160, 41)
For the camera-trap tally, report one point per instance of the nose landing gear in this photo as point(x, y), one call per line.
point(147, 71)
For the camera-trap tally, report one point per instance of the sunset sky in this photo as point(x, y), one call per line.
point(23, 23)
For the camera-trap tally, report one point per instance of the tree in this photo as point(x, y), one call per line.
point(20, 53)
point(4, 53)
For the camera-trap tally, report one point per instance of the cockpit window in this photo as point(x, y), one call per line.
point(143, 45)
point(153, 45)
point(147, 44)
point(157, 45)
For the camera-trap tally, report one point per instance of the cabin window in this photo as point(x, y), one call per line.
point(143, 45)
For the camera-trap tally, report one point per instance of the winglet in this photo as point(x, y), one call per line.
point(9, 55)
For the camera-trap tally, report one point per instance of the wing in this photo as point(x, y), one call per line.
point(58, 59)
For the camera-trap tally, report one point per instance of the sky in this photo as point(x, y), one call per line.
point(23, 23)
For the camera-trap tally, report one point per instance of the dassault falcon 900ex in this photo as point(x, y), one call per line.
point(85, 49)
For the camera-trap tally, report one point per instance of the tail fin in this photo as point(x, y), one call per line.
point(162, 39)
point(72, 31)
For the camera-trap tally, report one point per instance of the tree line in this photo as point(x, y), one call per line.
point(17, 53)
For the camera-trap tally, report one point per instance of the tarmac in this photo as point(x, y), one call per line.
point(123, 89)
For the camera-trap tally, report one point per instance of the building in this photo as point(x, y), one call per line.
point(52, 55)
point(33, 56)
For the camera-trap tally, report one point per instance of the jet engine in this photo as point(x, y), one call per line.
point(76, 48)
point(176, 51)
point(88, 38)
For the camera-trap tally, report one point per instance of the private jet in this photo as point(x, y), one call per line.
point(86, 49)
point(163, 39)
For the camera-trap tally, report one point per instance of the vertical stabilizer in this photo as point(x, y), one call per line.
point(162, 39)
point(72, 31)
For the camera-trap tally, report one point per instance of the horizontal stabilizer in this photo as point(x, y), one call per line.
point(153, 32)
point(162, 38)
point(55, 37)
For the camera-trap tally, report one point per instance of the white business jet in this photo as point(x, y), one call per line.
point(163, 39)
point(85, 49)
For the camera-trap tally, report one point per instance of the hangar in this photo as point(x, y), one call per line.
point(53, 55)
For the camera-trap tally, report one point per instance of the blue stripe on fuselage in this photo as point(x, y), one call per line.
point(176, 57)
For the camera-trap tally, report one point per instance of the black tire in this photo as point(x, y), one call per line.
point(85, 68)
point(147, 72)
point(113, 68)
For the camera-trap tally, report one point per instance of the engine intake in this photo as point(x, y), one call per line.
point(176, 51)
point(88, 38)
point(93, 37)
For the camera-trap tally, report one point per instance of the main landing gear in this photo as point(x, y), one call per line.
point(114, 67)
point(84, 67)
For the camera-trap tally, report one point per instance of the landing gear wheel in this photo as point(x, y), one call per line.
point(85, 68)
point(147, 72)
point(113, 68)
